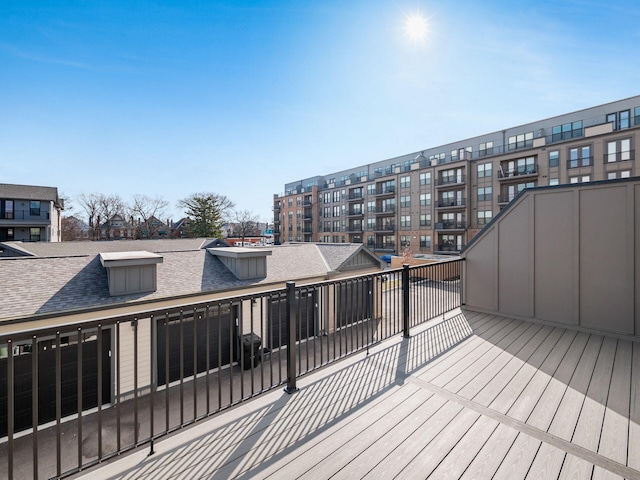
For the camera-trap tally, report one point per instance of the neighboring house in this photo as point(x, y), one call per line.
point(180, 229)
point(152, 228)
point(30, 213)
point(117, 228)
point(94, 279)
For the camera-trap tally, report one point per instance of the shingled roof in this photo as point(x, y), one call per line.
point(58, 282)
point(28, 192)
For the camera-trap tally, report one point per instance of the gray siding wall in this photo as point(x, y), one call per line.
point(568, 255)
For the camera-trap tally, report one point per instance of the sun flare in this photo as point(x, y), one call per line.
point(416, 27)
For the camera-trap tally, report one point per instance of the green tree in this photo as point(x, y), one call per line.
point(207, 213)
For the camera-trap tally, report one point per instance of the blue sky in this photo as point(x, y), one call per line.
point(171, 98)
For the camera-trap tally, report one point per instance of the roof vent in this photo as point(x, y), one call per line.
point(131, 272)
point(244, 263)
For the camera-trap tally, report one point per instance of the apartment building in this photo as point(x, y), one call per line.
point(436, 200)
point(30, 213)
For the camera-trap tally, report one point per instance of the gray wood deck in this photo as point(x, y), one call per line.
point(474, 396)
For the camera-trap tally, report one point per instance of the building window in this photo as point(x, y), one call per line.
point(425, 241)
point(34, 234)
point(620, 174)
point(336, 196)
point(521, 141)
point(371, 224)
point(484, 170)
point(405, 241)
point(566, 131)
point(327, 197)
point(371, 206)
point(580, 179)
point(405, 182)
point(554, 181)
point(336, 226)
point(290, 202)
point(8, 209)
point(371, 189)
point(484, 194)
point(336, 211)
point(554, 158)
point(425, 178)
point(327, 212)
point(425, 220)
point(439, 158)
point(619, 150)
point(425, 199)
point(636, 114)
point(34, 208)
point(579, 157)
point(484, 216)
point(405, 221)
point(405, 201)
point(486, 149)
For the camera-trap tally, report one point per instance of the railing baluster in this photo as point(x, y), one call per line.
point(79, 393)
point(291, 338)
point(10, 408)
point(153, 384)
point(34, 403)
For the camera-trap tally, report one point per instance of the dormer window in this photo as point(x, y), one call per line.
point(131, 272)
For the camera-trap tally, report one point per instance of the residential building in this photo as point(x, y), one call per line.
point(30, 213)
point(438, 199)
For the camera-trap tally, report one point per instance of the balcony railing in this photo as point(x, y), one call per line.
point(356, 196)
point(506, 198)
point(619, 156)
point(35, 215)
point(136, 378)
point(386, 210)
point(388, 190)
point(451, 225)
point(452, 202)
point(521, 171)
point(385, 228)
point(449, 247)
point(580, 162)
point(450, 180)
point(355, 213)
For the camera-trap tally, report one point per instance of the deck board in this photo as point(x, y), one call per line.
point(471, 396)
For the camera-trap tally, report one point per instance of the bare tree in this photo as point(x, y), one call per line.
point(110, 206)
point(90, 203)
point(150, 211)
point(245, 224)
point(71, 229)
point(207, 213)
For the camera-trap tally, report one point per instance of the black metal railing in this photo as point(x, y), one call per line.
point(450, 180)
point(450, 225)
point(619, 156)
point(580, 162)
point(112, 384)
point(523, 170)
point(449, 247)
point(39, 215)
point(452, 202)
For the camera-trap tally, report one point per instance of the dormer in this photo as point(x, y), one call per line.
point(244, 263)
point(131, 272)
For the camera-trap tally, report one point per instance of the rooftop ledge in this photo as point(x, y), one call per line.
point(239, 252)
point(129, 259)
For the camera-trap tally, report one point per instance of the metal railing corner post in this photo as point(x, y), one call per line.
point(290, 316)
point(405, 300)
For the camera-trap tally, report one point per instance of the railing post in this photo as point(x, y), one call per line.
point(290, 318)
point(405, 300)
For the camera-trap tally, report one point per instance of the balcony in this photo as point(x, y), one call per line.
point(580, 162)
point(385, 228)
point(619, 157)
point(355, 197)
point(518, 173)
point(387, 191)
point(450, 225)
point(31, 216)
point(451, 203)
point(355, 213)
point(425, 387)
point(385, 210)
point(450, 181)
point(506, 198)
point(449, 248)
